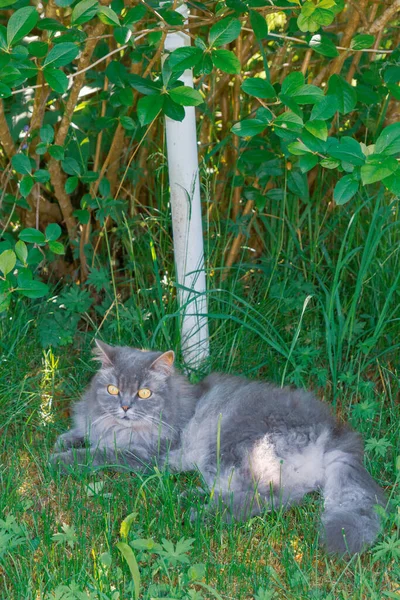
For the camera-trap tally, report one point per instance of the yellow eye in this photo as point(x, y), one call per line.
point(113, 390)
point(144, 393)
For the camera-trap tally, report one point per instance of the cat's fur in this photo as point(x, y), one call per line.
point(275, 445)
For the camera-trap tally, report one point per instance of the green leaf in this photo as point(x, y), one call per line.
point(126, 525)
point(38, 49)
point(108, 16)
point(56, 152)
point(47, 134)
point(5, 299)
point(325, 109)
point(71, 166)
point(105, 188)
point(344, 94)
point(25, 185)
point(148, 108)
point(84, 11)
point(298, 148)
point(57, 247)
point(125, 96)
point(318, 129)
point(22, 164)
point(307, 23)
point(5, 3)
point(389, 140)
point(50, 25)
point(21, 23)
point(34, 256)
point(362, 41)
point(224, 31)
point(225, 60)
point(57, 80)
point(41, 175)
point(392, 75)
point(122, 35)
point(32, 236)
point(144, 86)
point(21, 251)
point(129, 557)
point(292, 83)
point(53, 232)
point(5, 91)
point(307, 162)
point(249, 127)
point(62, 54)
point(289, 121)
point(7, 261)
point(185, 58)
point(173, 110)
point(260, 88)
point(41, 148)
point(348, 150)
point(345, 189)
point(323, 45)
point(83, 216)
point(128, 123)
point(30, 288)
point(258, 25)
point(118, 74)
point(377, 168)
point(392, 183)
point(135, 14)
point(172, 17)
point(307, 94)
point(71, 184)
point(186, 96)
point(329, 163)
point(298, 185)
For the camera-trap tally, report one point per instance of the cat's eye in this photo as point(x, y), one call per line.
point(144, 393)
point(113, 390)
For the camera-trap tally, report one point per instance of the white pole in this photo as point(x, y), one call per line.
point(186, 219)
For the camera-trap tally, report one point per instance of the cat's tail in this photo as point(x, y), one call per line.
point(350, 521)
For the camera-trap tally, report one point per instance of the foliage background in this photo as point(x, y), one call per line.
point(297, 109)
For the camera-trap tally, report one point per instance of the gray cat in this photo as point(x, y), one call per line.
point(256, 445)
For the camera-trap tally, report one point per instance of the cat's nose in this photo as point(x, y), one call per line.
point(125, 408)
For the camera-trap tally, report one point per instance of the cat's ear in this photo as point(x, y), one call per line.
point(104, 353)
point(164, 364)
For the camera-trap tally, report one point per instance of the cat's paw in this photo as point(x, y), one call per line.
point(61, 462)
point(67, 440)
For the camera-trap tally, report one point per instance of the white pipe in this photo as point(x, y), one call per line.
point(186, 219)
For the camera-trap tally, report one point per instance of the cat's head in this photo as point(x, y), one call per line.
point(132, 384)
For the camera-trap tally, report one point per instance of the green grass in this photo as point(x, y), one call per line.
point(343, 342)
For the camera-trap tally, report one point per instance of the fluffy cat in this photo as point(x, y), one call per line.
point(274, 445)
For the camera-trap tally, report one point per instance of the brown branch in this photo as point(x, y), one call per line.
point(351, 27)
point(239, 239)
point(306, 61)
point(388, 14)
point(357, 56)
point(237, 192)
point(237, 242)
point(84, 62)
point(360, 12)
point(5, 136)
point(57, 177)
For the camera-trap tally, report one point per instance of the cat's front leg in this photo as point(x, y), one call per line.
point(70, 439)
point(85, 459)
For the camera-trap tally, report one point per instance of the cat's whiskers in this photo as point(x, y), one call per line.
point(154, 420)
point(102, 417)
